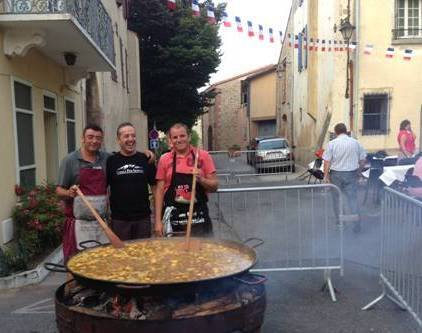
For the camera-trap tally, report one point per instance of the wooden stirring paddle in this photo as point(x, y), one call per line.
point(189, 244)
point(114, 240)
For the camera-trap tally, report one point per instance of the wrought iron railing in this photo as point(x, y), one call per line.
point(90, 14)
point(407, 33)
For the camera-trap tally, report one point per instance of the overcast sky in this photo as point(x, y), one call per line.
point(242, 53)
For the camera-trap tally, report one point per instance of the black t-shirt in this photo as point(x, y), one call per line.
point(128, 178)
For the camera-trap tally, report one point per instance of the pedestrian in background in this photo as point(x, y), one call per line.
point(343, 159)
point(406, 139)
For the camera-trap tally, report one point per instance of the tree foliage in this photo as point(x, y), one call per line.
point(178, 54)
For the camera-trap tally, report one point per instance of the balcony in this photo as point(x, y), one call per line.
point(407, 36)
point(56, 27)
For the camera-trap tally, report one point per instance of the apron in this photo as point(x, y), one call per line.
point(176, 201)
point(92, 183)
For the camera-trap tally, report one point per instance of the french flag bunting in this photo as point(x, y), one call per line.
point(261, 32)
point(271, 35)
point(296, 42)
point(250, 29)
point(368, 49)
point(280, 33)
point(239, 24)
point(171, 4)
point(323, 45)
point(289, 36)
point(408, 54)
point(316, 44)
point(226, 20)
point(389, 53)
point(335, 46)
point(329, 45)
point(341, 43)
point(195, 8)
point(210, 15)
point(311, 44)
point(352, 46)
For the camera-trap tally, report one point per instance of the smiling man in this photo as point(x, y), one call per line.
point(128, 176)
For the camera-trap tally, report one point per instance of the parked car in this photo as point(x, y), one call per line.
point(272, 154)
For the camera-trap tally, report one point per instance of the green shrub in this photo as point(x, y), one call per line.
point(38, 218)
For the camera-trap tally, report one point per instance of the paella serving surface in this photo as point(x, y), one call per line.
point(161, 262)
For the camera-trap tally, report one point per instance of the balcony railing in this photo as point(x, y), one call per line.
point(90, 14)
point(407, 33)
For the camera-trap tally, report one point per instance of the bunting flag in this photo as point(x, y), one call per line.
point(323, 45)
point(239, 24)
point(280, 33)
point(352, 46)
point(368, 49)
point(296, 42)
point(289, 36)
point(271, 35)
point(210, 15)
point(311, 44)
point(250, 29)
point(195, 8)
point(408, 54)
point(329, 46)
point(316, 45)
point(171, 4)
point(261, 32)
point(340, 44)
point(389, 53)
point(335, 46)
point(226, 20)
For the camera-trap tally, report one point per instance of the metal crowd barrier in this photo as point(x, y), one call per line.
point(233, 166)
point(401, 247)
point(298, 224)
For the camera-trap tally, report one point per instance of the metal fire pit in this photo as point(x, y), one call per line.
point(242, 313)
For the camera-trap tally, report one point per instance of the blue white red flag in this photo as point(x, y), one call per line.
point(311, 44)
point(408, 54)
point(352, 46)
point(239, 24)
point(210, 15)
point(316, 45)
point(368, 49)
point(171, 4)
point(281, 36)
point(250, 29)
point(323, 45)
point(289, 36)
point(226, 20)
point(261, 32)
point(271, 35)
point(296, 41)
point(195, 8)
point(329, 45)
point(389, 53)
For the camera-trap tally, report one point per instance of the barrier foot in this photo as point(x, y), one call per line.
point(328, 285)
point(382, 296)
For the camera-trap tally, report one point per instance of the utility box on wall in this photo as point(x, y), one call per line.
point(6, 231)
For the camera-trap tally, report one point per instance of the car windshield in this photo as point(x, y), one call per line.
point(273, 144)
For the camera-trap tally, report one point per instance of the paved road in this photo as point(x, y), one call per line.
point(295, 302)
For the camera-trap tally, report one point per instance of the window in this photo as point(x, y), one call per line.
point(408, 19)
point(299, 53)
point(70, 126)
point(375, 114)
point(24, 134)
point(50, 137)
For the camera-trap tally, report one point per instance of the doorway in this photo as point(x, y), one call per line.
point(51, 139)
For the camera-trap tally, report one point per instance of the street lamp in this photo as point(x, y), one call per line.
point(347, 29)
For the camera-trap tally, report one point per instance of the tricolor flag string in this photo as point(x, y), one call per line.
point(211, 15)
point(389, 53)
point(195, 8)
point(271, 35)
point(239, 24)
point(250, 29)
point(261, 32)
point(408, 54)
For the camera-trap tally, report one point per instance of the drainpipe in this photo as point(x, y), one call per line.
point(356, 71)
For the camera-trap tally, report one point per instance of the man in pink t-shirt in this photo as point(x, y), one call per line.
point(174, 181)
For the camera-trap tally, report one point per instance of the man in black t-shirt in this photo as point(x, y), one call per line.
point(128, 176)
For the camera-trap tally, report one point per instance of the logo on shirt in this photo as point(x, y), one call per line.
point(129, 169)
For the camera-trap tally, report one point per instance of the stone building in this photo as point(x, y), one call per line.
point(244, 107)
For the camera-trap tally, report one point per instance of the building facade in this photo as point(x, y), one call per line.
point(383, 87)
point(244, 107)
point(61, 65)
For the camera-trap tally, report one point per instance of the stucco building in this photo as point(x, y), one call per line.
point(382, 90)
point(61, 66)
point(244, 108)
